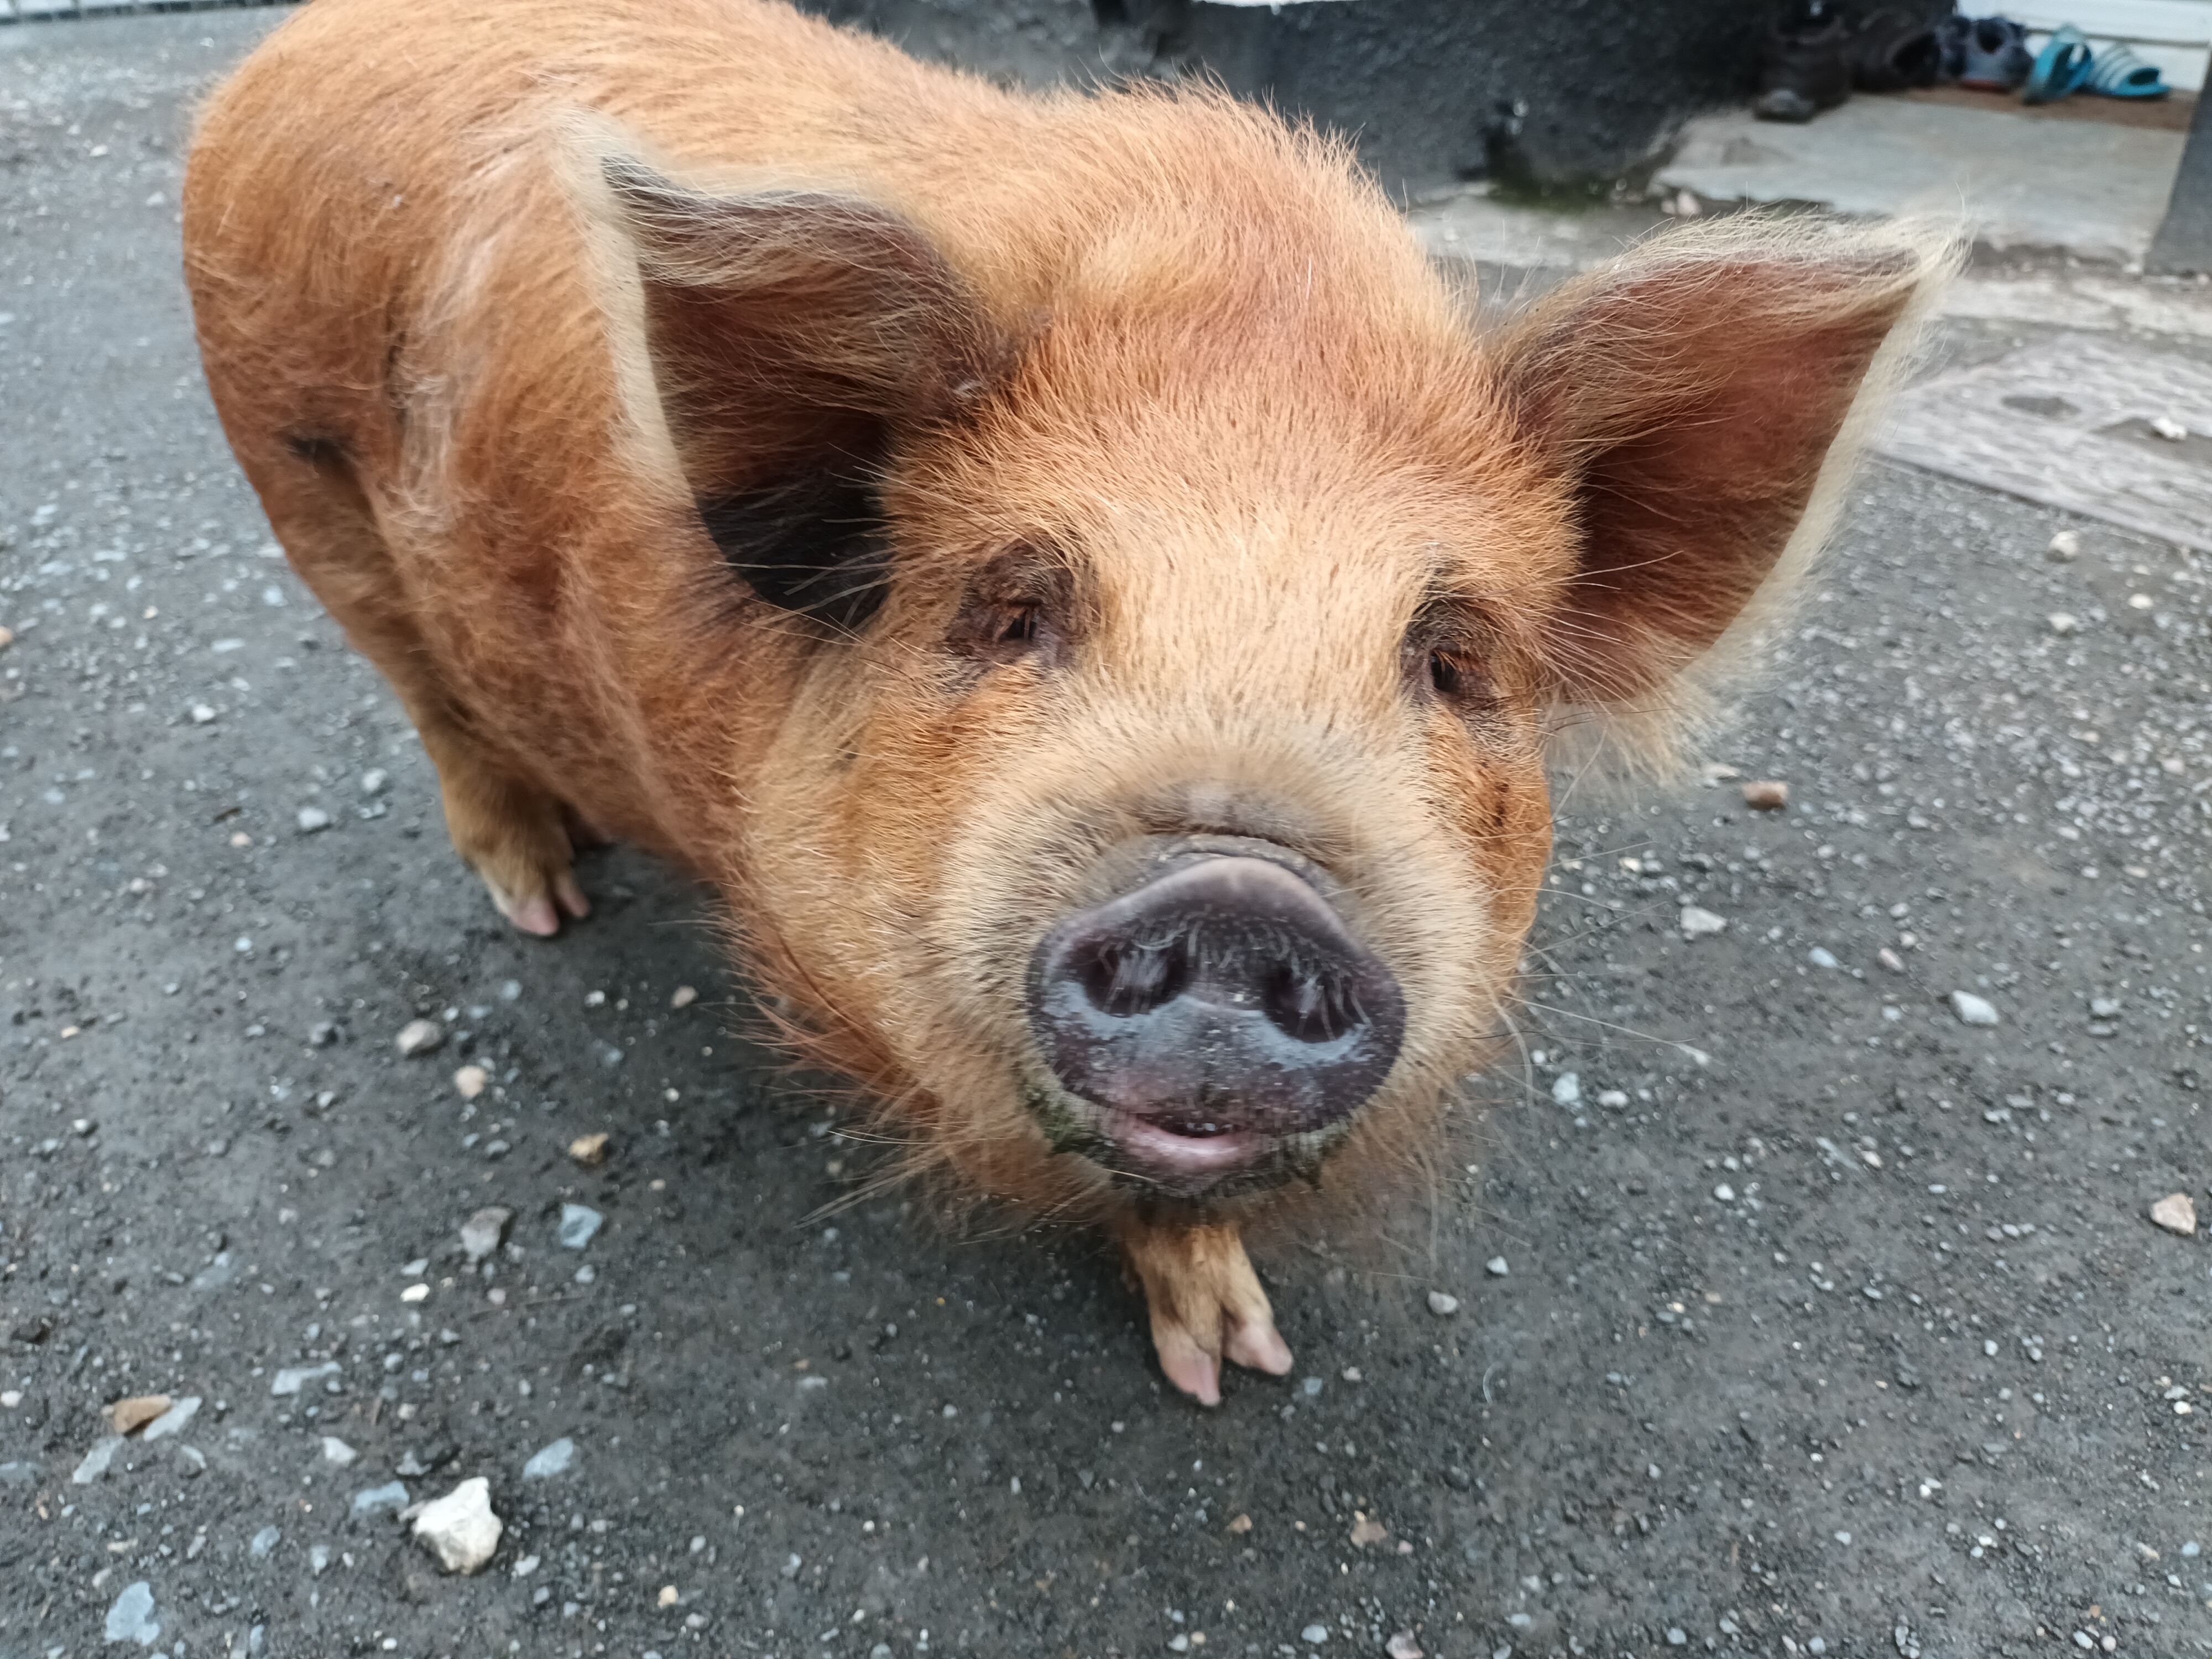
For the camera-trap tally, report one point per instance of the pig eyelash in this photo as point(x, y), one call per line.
point(1020, 626)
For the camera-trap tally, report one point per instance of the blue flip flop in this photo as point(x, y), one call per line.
point(2117, 72)
point(2062, 68)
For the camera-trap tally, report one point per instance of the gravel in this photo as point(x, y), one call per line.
point(557, 1458)
point(460, 1529)
point(579, 1223)
point(131, 1619)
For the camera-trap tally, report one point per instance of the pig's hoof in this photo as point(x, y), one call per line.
point(1207, 1305)
point(540, 913)
point(522, 849)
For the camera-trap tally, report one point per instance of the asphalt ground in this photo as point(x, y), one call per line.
point(1808, 1319)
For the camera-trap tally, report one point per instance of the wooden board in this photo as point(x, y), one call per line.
point(2065, 423)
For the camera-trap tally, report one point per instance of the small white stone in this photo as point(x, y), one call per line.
point(2066, 545)
point(1725, 1193)
point(1443, 1305)
point(2061, 621)
point(1613, 1099)
point(2176, 1214)
point(1972, 1010)
point(1821, 958)
point(2168, 428)
point(459, 1528)
point(684, 997)
point(173, 1420)
point(293, 1378)
point(579, 1223)
point(373, 780)
point(131, 1617)
point(1698, 922)
point(1567, 1089)
point(481, 1232)
point(201, 713)
point(420, 1037)
point(472, 1081)
point(556, 1459)
point(335, 1450)
point(311, 818)
point(1496, 1267)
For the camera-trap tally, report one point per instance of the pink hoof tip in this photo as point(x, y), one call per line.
point(536, 916)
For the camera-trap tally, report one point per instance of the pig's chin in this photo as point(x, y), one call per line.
point(1161, 1157)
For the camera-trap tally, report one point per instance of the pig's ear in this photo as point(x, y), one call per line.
point(796, 338)
point(1699, 401)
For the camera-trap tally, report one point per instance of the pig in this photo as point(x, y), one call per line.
point(1085, 591)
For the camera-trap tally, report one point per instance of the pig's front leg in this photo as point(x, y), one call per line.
point(1206, 1301)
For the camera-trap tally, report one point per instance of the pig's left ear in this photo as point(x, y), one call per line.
point(1699, 401)
point(796, 338)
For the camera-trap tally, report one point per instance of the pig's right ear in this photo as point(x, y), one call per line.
point(796, 338)
point(1698, 402)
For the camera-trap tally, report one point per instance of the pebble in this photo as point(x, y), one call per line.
point(459, 1528)
point(1613, 1099)
point(131, 1617)
point(2104, 1008)
point(1725, 1193)
point(2062, 623)
point(1567, 1089)
point(579, 1222)
point(318, 1560)
point(1496, 1267)
point(129, 1415)
point(293, 1378)
point(311, 818)
point(1821, 959)
point(2176, 1213)
point(97, 1459)
point(556, 1459)
point(1767, 795)
point(1442, 1304)
point(1315, 1634)
point(376, 1500)
point(2168, 428)
point(1403, 1646)
point(173, 1420)
point(684, 997)
point(1972, 1010)
point(1698, 922)
point(482, 1233)
point(589, 1150)
point(471, 1081)
point(335, 1450)
point(420, 1037)
point(1890, 959)
point(373, 780)
point(264, 1543)
point(2066, 545)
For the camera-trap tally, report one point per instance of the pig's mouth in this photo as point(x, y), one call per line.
point(1214, 1027)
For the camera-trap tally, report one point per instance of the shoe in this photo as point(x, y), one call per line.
point(2119, 73)
point(2061, 68)
point(1803, 71)
point(1994, 57)
point(1891, 51)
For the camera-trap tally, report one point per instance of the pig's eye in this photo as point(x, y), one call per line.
point(1445, 675)
point(1020, 627)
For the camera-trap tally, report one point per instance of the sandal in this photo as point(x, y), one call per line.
point(1894, 50)
point(1994, 55)
point(2119, 73)
point(2064, 67)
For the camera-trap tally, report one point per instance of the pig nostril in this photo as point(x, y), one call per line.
point(1311, 1007)
point(1127, 979)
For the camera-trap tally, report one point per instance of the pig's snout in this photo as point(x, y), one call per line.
point(1211, 1013)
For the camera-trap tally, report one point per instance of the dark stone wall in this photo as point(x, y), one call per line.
point(1551, 93)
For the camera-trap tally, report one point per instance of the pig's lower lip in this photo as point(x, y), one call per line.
point(1190, 1162)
